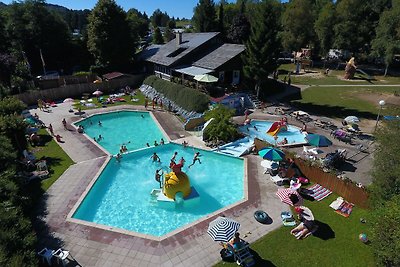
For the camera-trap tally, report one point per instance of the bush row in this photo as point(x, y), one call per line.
point(17, 236)
point(187, 98)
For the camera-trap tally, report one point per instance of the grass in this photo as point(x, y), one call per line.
point(339, 247)
point(57, 160)
point(139, 96)
point(337, 102)
point(334, 77)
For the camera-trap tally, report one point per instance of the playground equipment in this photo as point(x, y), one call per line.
point(276, 127)
point(350, 69)
point(302, 59)
point(176, 189)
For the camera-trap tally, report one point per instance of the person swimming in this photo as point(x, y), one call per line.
point(155, 157)
point(162, 141)
point(158, 176)
point(100, 124)
point(195, 158)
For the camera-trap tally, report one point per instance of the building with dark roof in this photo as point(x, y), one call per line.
point(191, 54)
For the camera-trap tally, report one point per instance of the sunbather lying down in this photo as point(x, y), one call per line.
point(304, 229)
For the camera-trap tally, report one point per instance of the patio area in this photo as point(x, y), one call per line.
point(92, 246)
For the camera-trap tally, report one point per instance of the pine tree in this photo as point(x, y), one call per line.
point(262, 49)
point(157, 37)
point(204, 17)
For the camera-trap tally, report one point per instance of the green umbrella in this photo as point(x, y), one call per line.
point(318, 140)
point(272, 154)
point(206, 78)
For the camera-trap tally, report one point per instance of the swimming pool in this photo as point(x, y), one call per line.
point(121, 198)
point(293, 134)
point(133, 128)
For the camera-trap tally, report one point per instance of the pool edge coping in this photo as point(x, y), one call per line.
point(147, 236)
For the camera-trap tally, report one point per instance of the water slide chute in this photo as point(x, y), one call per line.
point(276, 127)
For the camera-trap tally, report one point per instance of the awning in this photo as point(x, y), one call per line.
point(193, 71)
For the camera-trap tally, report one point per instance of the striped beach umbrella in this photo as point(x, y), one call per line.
point(222, 229)
point(284, 194)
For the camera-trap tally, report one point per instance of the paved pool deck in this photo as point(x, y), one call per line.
point(91, 246)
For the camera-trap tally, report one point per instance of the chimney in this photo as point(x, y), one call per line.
point(178, 38)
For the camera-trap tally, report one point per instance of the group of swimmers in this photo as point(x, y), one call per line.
point(162, 142)
point(196, 158)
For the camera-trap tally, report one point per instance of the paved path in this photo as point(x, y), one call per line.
point(92, 246)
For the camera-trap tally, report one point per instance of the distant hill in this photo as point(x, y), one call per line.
point(2, 4)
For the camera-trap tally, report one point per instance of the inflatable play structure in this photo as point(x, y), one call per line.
point(277, 126)
point(350, 69)
point(176, 188)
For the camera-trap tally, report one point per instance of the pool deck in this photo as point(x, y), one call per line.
point(92, 246)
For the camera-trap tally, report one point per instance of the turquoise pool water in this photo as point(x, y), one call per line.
point(133, 128)
point(293, 133)
point(121, 195)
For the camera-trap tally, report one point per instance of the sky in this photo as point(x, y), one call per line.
point(174, 8)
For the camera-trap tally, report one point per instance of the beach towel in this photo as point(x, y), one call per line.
point(284, 194)
point(319, 192)
point(345, 209)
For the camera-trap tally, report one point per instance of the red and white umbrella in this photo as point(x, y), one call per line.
point(284, 194)
point(97, 93)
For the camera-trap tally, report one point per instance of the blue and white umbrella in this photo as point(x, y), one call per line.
point(222, 229)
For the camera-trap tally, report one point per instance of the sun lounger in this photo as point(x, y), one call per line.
point(242, 256)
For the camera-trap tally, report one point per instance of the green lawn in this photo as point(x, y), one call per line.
point(139, 96)
point(340, 248)
point(334, 77)
point(57, 160)
point(337, 102)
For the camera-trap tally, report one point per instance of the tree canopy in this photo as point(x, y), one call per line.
point(205, 17)
point(109, 37)
point(262, 48)
point(387, 41)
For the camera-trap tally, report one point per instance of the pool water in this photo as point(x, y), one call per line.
point(132, 128)
point(121, 195)
point(293, 134)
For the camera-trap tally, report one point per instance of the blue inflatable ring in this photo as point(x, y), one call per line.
point(261, 216)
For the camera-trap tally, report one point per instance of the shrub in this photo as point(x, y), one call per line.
point(386, 231)
point(221, 128)
point(82, 73)
point(187, 98)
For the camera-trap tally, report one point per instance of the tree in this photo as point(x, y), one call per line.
point(157, 37)
point(221, 26)
point(323, 27)
point(138, 23)
point(239, 31)
point(204, 17)
point(221, 128)
point(297, 23)
point(385, 169)
point(7, 68)
point(385, 232)
point(3, 35)
point(262, 49)
point(109, 36)
point(387, 41)
point(30, 27)
point(356, 22)
point(159, 19)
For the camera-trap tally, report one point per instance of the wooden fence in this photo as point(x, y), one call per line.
point(76, 90)
point(346, 189)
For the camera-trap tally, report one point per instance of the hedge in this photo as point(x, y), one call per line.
point(185, 97)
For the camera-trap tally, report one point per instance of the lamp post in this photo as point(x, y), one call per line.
point(381, 104)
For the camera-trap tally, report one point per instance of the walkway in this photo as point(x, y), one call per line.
point(96, 247)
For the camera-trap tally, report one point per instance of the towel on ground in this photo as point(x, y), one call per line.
point(345, 209)
point(320, 192)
